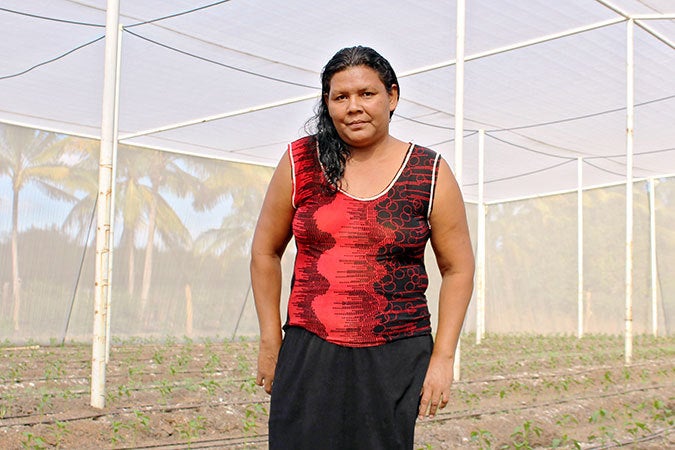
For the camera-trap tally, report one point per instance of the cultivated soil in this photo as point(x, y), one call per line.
point(515, 392)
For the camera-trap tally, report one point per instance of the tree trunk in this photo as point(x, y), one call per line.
point(147, 267)
point(188, 310)
point(131, 282)
point(16, 280)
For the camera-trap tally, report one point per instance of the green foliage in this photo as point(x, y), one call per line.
point(45, 401)
point(142, 420)
point(118, 428)
point(599, 416)
point(606, 432)
point(55, 370)
point(565, 442)
point(210, 385)
point(192, 429)
point(15, 372)
point(522, 436)
point(165, 389)
point(249, 386)
point(482, 438)
point(243, 365)
point(158, 357)
point(635, 428)
point(60, 431)
point(662, 413)
point(33, 442)
point(220, 375)
point(253, 413)
point(469, 398)
point(212, 364)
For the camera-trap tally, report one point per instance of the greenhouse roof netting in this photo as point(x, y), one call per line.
point(546, 81)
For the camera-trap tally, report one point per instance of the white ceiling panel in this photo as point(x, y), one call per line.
point(254, 68)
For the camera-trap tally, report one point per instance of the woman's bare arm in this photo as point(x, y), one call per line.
point(454, 254)
point(272, 234)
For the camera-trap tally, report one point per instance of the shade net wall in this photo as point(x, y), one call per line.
point(532, 262)
point(182, 233)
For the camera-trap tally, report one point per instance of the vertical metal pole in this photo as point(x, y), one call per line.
point(103, 208)
point(630, 100)
point(459, 91)
point(459, 123)
point(652, 251)
point(480, 242)
point(113, 176)
point(580, 249)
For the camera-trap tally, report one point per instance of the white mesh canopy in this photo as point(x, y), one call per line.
point(236, 79)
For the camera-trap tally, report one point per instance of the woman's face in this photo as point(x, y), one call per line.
point(360, 106)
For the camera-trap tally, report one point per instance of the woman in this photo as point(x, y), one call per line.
point(358, 363)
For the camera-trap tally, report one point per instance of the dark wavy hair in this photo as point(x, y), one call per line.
point(333, 152)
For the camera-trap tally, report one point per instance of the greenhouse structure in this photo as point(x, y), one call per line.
point(137, 140)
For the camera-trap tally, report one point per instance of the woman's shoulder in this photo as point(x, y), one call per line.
point(425, 151)
point(304, 143)
point(424, 156)
point(303, 151)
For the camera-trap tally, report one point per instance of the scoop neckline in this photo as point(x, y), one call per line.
point(391, 184)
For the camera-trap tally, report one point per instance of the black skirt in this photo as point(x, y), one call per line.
point(326, 396)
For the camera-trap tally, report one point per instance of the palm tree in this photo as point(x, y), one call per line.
point(244, 185)
point(131, 200)
point(132, 168)
point(31, 157)
point(143, 178)
point(167, 173)
point(83, 178)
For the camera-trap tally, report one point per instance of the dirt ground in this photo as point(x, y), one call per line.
point(515, 392)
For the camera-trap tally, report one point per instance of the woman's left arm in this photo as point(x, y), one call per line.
point(451, 243)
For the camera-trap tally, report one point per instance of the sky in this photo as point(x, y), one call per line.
point(36, 210)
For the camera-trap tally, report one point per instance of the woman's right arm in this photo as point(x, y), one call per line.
point(272, 234)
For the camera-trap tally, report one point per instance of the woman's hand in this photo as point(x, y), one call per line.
point(267, 363)
point(436, 388)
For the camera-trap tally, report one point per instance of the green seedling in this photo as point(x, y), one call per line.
point(142, 420)
point(251, 415)
point(482, 438)
point(158, 357)
point(60, 430)
point(165, 389)
point(33, 442)
point(192, 429)
point(117, 428)
point(45, 401)
point(211, 386)
point(565, 442)
point(522, 435)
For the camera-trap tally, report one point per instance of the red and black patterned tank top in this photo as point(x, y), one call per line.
point(359, 277)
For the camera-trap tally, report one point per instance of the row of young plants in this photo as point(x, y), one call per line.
point(649, 420)
point(159, 374)
point(148, 378)
point(563, 392)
